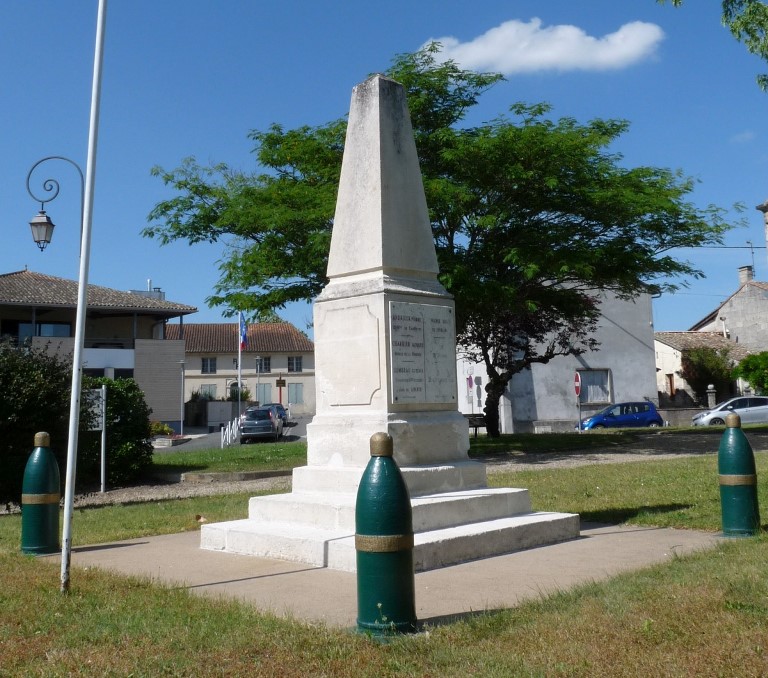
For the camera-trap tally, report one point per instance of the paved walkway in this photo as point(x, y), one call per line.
point(321, 595)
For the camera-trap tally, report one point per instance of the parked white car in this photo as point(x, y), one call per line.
point(751, 409)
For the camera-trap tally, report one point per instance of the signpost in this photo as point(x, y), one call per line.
point(577, 389)
point(98, 404)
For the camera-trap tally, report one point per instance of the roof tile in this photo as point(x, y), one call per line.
point(225, 338)
point(685, 341)
point(27, 288)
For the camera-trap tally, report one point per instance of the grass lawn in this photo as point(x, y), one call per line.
point(256, 457)
point(702, 615)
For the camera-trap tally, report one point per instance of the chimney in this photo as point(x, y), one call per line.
point(745, 274)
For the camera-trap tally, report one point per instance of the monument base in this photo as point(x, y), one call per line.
point(317, 527)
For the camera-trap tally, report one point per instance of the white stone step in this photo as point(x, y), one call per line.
point(335, 549)
point(284, 541)
point(430, 512)
point(448, 509)
point(420, 479)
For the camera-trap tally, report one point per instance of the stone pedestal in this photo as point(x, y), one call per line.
point(385, 361)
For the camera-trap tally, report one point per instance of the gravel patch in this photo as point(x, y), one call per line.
point(646, 447)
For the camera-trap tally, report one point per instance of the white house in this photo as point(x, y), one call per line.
point(543, 399)
point(278, 363)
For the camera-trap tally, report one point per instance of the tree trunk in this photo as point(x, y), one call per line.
point(493, 393)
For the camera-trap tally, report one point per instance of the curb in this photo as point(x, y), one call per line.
point(234, 476)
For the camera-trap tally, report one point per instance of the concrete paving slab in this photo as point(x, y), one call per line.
point(329, 596)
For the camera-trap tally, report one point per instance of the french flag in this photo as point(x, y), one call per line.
point(243, 333)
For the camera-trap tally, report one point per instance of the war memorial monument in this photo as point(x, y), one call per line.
point(385, 361)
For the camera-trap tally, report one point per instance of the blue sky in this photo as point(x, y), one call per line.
point(192, 77)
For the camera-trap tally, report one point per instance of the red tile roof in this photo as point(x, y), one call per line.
point(225, 338)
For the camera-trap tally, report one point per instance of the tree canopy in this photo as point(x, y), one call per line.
point(704, 366)
point(533, 218)
point(754, 370)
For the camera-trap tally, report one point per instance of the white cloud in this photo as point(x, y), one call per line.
point(743, 137)
point(519, 47)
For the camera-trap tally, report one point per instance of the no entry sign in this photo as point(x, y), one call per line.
point(577, 383)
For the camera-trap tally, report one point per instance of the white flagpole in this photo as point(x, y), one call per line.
point(82, 300)
point(239, 361)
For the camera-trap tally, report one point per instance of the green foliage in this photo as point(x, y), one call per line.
point(245, 394)
point(129, 450)
point(748, 22)
point(35, 387)
point(533, 218)
point(704, 366)
point(754, 370)
point(158, 428)
point(197, 394)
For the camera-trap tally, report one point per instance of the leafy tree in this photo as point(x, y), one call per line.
point(748, 22)
point(704, 366)
point(35, 385)
point(533, 219)
point(129, 450)
point(754, 370)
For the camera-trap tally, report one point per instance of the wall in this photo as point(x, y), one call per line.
point(745, 317)
point(158, 374)
point(542, 399)
point(226, 374)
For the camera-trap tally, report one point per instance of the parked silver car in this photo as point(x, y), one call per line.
point(751, 409)
point(260, 423)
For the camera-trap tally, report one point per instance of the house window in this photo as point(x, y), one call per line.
point(208, 366)
point(294, 363)
point(208, 391)
point(595, 386)
point(22, 331)
point(296, 394)
point(264, 393)
point(263, 364)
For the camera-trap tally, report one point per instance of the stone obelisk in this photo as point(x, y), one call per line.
point(385, 338)
point(385, 361)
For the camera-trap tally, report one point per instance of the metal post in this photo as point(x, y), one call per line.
point(258, 378)
point(82, 298)
point(103, 437)
point(181, 421)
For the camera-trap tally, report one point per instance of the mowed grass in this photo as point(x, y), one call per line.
point(260, 456)
point(700, 615)
point(703, 615)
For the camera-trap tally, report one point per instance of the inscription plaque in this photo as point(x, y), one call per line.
point(422, 346)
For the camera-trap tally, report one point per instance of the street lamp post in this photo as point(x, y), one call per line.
point(41, 224)
point(42, 230)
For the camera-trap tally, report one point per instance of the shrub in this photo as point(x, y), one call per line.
point(158, 428)
point(35, 387)
point(129, 450)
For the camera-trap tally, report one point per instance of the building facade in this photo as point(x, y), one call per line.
point(277, 363)
point(125, 332)
point(542, 399)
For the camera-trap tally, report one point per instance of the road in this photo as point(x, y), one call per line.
point(199, 440)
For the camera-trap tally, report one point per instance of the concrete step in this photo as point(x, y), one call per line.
point(430, 512)
point(420, 479)
point(335, 549)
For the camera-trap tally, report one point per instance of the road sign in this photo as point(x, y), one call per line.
point(577, 383)
point(279, 382)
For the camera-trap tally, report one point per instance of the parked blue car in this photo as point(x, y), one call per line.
point(624, 415)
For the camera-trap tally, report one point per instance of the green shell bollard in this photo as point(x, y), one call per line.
point(40, 496)
point(386, 600)
point(738, 481)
